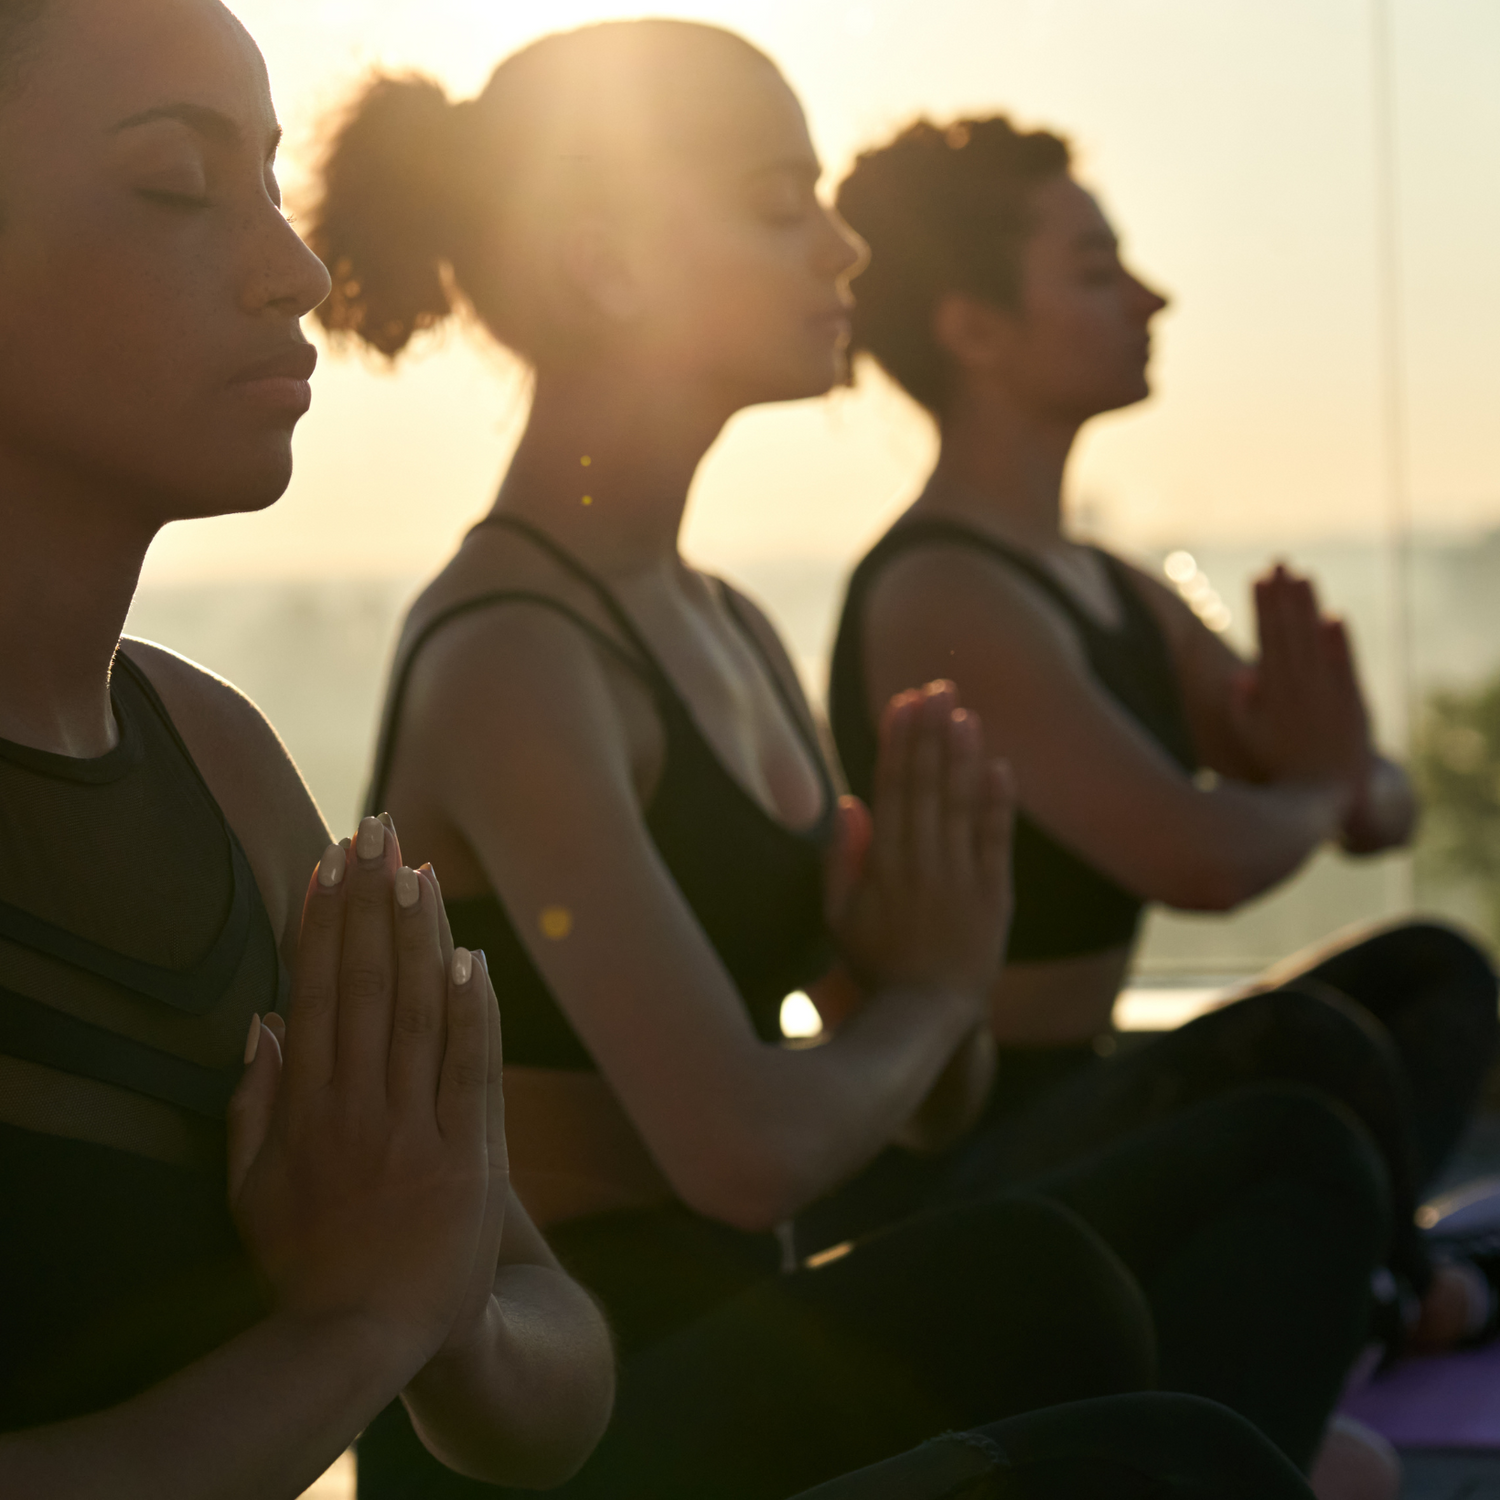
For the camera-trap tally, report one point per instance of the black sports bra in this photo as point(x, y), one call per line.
point(755, 886)
point(1064, 906)
point(134, 948)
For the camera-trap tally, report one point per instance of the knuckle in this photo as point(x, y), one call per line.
point(415, 1021)
point(363, 982)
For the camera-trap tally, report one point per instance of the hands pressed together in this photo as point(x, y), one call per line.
point(367, 1161)
point(1300, 711)
point(919, 890)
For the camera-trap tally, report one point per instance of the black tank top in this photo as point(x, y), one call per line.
point(1064, 906)
point(134, 948)
point(755, 886)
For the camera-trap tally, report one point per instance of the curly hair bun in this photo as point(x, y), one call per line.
point(943, 209)
point(390, 214)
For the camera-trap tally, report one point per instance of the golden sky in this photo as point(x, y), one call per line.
point(1232, 142)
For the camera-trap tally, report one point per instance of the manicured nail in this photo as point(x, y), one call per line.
point(389, 822)
point(408, 888)
point(252, 1042)
point(463, 966)
point(332, 866)
point(371, 840)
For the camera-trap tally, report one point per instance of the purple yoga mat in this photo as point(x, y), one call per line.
point(1444, 1400)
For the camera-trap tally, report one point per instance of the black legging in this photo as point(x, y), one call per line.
point(1118, 1448)
point(1253, 1256)
point(1399, 1025)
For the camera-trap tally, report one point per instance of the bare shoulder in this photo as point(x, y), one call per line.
point(248, 770)
point(958, 594)
point(1191, 641)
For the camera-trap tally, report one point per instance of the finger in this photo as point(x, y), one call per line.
point(367, 968)
point(995, 826)
point(312, 1018)
point(892, 773)
point(252, 1104)
point(923, 802)
point(272, 1022)
point(389, 824)
point(960, 793)
point(421, 1002)
point(494, 1094)
point(846, 858)
point(462, 1086)
point(445, 932)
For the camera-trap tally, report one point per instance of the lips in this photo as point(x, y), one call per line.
point(296, 362)
point(280, 383)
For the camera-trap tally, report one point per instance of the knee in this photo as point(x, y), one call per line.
point(1310, 1028)
point(1454, 961)
point(1072, 1278)
point(1314, 1136)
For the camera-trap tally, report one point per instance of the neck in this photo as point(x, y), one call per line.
point(1005, 464)
point(68, 571)
point(643, 441)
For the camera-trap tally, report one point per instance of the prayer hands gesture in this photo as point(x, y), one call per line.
point(920, 895)
point(367, 1163)
point(1299, 710)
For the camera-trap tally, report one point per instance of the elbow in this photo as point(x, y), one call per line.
point(751, 1187)
point(1213, 884)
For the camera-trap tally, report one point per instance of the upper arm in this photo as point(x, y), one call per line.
point(251, 776)
point(1086, 771)
point(536, 770)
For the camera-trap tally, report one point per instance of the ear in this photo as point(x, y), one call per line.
point(596, 260)
point(976, 335)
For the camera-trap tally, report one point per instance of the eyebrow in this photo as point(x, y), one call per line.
point(790, 166)
point(199, 118)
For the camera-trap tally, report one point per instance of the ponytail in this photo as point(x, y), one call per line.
point(390, 218)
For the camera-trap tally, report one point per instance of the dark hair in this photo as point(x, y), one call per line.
point(943, 209)
point(427, 205)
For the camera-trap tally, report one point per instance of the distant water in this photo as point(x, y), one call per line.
point(314, 656)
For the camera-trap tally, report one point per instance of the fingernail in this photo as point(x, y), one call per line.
point(371, 840)
point(252, 1042)
point(332, 866)
point(408, 888)
point(389, 822)
point(463, 966)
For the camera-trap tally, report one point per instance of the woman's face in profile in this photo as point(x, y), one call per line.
point(1084, 321)
point(745, 271)
point(150, 287)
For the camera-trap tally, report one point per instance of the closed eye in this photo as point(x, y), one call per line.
point(173, 200)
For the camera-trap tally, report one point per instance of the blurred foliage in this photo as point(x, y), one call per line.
point(1457, 770)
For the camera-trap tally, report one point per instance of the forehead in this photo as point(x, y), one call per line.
point(97, 63)
point(1065, 210)
point(739, 121)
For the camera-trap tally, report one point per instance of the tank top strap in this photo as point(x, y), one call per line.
point(910, 536)
point(646, 668)
point(795, 709)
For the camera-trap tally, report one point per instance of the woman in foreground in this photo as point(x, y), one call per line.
point(169, 1331)
point(609, 757)
point(997, 298)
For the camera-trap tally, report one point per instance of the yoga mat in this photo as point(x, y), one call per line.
point(1442, 1400)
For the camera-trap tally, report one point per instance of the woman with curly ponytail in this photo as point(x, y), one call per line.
point(997, 298)
point(608, 755)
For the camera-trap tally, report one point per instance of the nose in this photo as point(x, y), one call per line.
point(284, 275)
point(848, 253)
point(1151, 300)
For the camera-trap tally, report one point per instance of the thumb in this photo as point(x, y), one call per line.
point(845, 864)
point(252, 1104)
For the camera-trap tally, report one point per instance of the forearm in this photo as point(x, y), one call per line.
point(958, 1098)
point(1240, 840)
point(258, 1419)
point(526, 1401)
point(863, 1089)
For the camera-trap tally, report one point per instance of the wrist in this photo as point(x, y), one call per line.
point(385, 1354)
